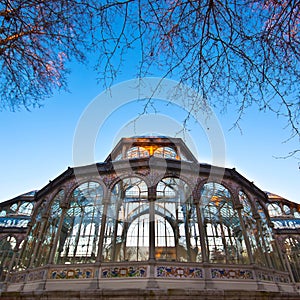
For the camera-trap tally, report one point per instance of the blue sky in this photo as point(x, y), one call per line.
point(37, 146)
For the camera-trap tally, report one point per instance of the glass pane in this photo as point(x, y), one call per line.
point(253, 233)
point(50, 231)
point(126, 235)
point(25, 209)
point(176, 225)
point(225, 239)
point(32, 239)
point(274, 210)
point(3, 213)
point(137, 152)
point(165, 152)
point(297, 214)
point(7, 246)
point(79, 236)
point(267, 240)
point(292, 247)
point(286, 209)
point(14, 208)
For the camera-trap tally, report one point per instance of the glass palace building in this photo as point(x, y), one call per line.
point(150, 222)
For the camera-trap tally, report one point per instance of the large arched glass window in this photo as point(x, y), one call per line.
point(267, 240)
point(253, 233)
point(224, 236)
point(137, 152)
point(274, 210)
point(79, 236)
point(25, 209)
point(165, 152)
point(13, 209)
point(49, 231)
point(292, 247)
point(286, 209)
point(7, 246)
point(297, 214)
point(176, 225)
point(126, 236)
point(3, 213)
point(32, 239)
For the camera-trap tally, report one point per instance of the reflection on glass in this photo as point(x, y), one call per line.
point(176, 226)
point(274, 210)
point(252, 230)
point(7, 246)
point(292, 247)
point(268, 241)
point(165, 152)
point(137, 152)
point(224, 236)
point(126, 235)
point(50, 230)
point(79, 236)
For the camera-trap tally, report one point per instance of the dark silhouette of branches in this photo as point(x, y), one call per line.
point(242, 52)
point(36, 38)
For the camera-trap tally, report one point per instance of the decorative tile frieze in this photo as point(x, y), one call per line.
point(74, 273)
point(231, 274)
point(121, 272)
point(34, 276)
point(178, 272)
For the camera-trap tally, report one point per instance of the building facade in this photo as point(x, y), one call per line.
point(15, 215)
point(151, 222)
point(285, 217)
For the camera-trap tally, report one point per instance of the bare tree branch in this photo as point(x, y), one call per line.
point(245, 52)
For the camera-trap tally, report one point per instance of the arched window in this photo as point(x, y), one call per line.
point(32, 239)
point(7, 246)
point(126, 236)
point(25, 209)
point(224, 236)
point(297, 214)
point(79, 236)
point(176, 225)
point(137, 152)
point(253, 233)
point(267, 240)
point(14, 208)
point(50, 230)
point(165, 152)
point(286, 209)
point(292, 247)
point(274, 210)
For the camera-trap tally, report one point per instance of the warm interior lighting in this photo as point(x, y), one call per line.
point(216, 200)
